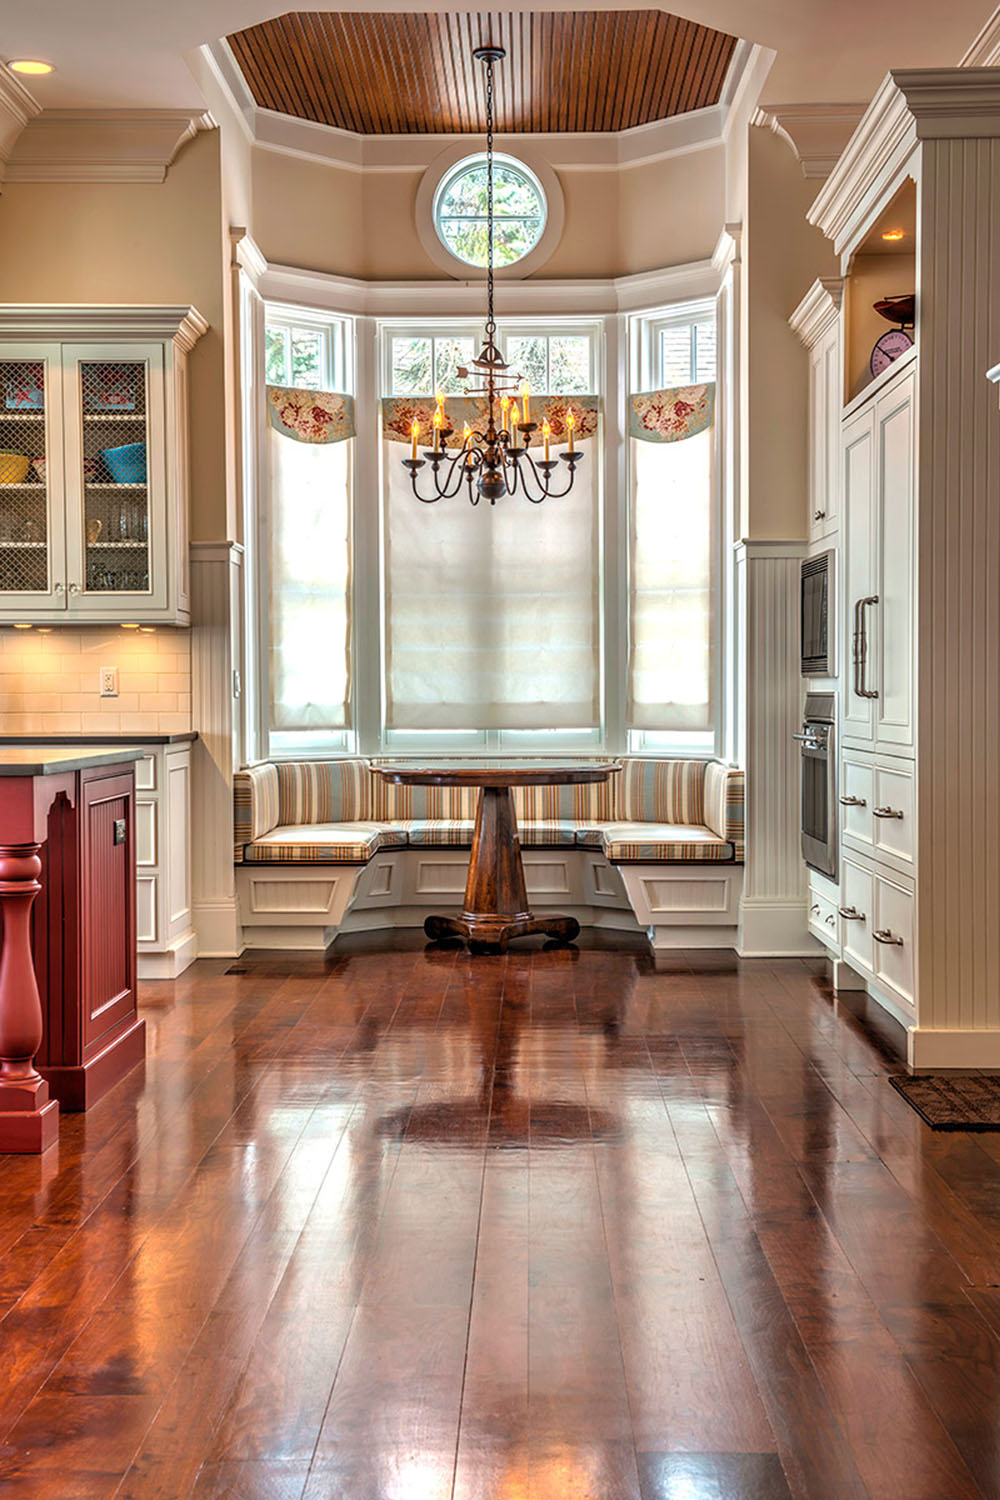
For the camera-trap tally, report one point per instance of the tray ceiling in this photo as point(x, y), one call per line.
point(391, 74)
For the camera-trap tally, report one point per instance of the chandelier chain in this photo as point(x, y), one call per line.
point(490, 320)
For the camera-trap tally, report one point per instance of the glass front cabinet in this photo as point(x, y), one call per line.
point(94, 463)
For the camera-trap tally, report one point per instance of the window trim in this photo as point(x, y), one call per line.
point(443, 165)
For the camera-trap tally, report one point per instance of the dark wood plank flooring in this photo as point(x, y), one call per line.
point(402, 1224)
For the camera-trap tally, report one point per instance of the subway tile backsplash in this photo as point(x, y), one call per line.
point(49, 680)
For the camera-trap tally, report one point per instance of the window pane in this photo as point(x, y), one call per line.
point(528, 359)
point(307, 358)
point(448, 355)
point(675, 353)
point(704, 334)
point(518, 213)
point(276, 357)
point(411, 367)
point(569, 365)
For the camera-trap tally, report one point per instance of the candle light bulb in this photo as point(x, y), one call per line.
point(570, 424)
point(415, 433)
point(437, 430)
point(525, 393)
point(468, 437)
point(546, 434)
point(504, 411)
point(515, 415)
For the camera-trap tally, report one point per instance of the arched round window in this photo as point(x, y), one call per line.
point(460, 210)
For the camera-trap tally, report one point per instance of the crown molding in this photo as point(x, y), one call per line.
point(245, 253)
point(446, 297)
point(17, 106)
point(816, 133)
point(911, 105)
point(610, 151)
point(728, 248)
point(183, 326)
point(97, 145)
point(819, 310)
point(985, 50)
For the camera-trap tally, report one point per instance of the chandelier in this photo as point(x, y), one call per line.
point(496, 461)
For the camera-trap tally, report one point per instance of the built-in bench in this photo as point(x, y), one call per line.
point(325, 846)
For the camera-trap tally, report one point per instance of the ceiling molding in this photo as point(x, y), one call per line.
point(17, 107)
point(450, 298)
point(819, 310)
point(985, 50)
point(61, 321)
point(816, 133)
point(911, 105)
point(579, 151)
point(95, 145)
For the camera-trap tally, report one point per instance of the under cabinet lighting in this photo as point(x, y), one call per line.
point(22, 627)
point(32, 66)
point(893, 234)
point(134, 626)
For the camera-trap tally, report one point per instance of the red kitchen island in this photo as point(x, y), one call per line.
point(69, 1028)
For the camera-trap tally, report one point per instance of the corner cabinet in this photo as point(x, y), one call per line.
point(94, 463)
point(816, 320)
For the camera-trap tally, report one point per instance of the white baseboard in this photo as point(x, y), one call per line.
point(669, 939)
point(843, 977)
point(167, 963)
point(217, 928)
point(930, 1048)
point(290, 939)
point(776, 929)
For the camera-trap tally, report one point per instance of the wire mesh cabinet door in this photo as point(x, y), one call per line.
point(32, 481)
point(117, 480)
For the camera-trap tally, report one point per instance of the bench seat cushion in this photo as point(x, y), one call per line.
point(428, 832)
point(323, 843)
point(680, 843)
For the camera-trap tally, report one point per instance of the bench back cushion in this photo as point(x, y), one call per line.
point(724, 798)
point(661, 791)
point(255, 804)
point(323, 791)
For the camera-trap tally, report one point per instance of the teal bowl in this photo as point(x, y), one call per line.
point(126, 465)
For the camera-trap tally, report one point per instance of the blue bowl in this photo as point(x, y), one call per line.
point(126, 465)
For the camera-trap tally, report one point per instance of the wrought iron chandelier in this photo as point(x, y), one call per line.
point(492, 463)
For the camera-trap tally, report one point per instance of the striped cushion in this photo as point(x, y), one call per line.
point(402, 803)
point(724, 801)
point(323, 791)
point(590, 801)
point(255, 804)
point(321, 843)
point(661, 791)
point(422, 832)
point(661, 843)
point(550, 832)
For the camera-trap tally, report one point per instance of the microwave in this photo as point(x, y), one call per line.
point(816, 610)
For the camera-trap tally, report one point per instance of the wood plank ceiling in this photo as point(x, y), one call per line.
point(415, 74)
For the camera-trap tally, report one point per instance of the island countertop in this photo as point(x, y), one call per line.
point(43, 760)
point(116, 737)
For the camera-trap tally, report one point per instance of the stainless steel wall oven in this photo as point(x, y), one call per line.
point(818, 744)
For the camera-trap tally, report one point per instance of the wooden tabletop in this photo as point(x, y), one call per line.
point(498, 773)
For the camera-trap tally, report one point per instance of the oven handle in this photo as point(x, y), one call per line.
point(809, 740)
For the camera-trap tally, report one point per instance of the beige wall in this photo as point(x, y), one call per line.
point(145, 243)
point(782, 256)
point(49, 680)
point(325, 218)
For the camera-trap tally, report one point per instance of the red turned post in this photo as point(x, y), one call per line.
point(29, 1120)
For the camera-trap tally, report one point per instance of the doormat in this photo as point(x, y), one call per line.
point(952, 1103)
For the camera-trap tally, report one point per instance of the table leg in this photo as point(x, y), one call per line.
point(496, 900)
point(29, 1120)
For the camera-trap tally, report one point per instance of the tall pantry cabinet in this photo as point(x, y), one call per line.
point(919, 552)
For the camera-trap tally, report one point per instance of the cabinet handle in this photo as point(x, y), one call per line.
point(851, 914)
point(853, 802)
point(856, 648)
point(866, 692)
point(830, 922)
point(818, 515)
point(885, 812)
point(885, 936)
point(814, 907)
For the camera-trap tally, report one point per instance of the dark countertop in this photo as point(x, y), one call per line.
point(121, 738)
point(39, 761)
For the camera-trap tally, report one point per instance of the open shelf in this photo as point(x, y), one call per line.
point(879, 268)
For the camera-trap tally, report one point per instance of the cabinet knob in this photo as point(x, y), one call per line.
point(818, 515)
point(883, 935)
point(60, 588)
point(74, 588)
point(885, 812)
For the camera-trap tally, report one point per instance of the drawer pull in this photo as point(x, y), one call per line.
point(885, 936)
point(851, 914)
point(814, 907)
point(853, 802)
point(831, 921)
point(885, 812)
point(818, 515)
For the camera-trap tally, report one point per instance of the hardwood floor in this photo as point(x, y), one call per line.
point(405, 1224)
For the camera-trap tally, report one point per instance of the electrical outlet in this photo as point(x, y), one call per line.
point(109, 682)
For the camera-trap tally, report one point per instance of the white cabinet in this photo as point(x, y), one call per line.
point(878, 808)
point(878, 542)
point(164, 919)
point(824, 422)
point(876, 915)
point(93, 464)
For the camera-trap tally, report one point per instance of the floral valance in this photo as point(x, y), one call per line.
point(670, 416)
point(310, 416)
point(400, 412)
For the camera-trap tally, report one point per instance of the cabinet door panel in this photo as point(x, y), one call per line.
point(859, 516)
point(892, 813)
point(893, 616)
point(893, 944)
point(856, 928)
point(32, 528)
point(858, 783)
point(108, 904)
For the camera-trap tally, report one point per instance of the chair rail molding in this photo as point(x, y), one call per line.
point(98, 145)
point(774, 906)
point(216, 569)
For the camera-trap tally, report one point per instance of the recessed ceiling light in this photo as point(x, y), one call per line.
point(30, 65)
point(894, 234)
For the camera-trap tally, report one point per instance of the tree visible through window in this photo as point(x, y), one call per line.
point(460, 211)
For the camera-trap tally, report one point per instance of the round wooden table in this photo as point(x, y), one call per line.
point(496, 901)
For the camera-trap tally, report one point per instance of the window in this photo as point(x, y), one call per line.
point(460, 210)
point(562, 363)
point(306, 547)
